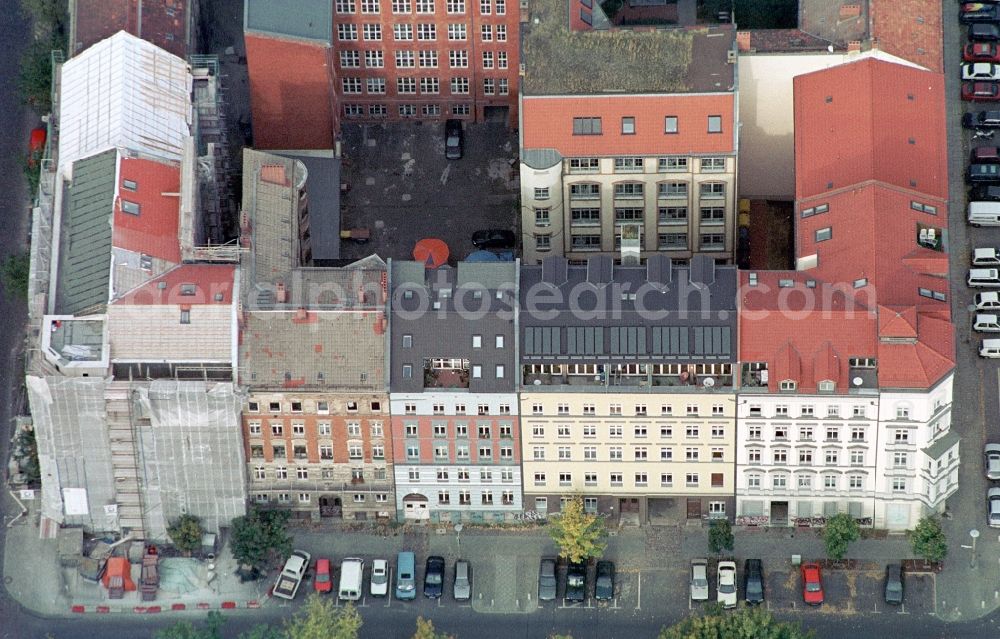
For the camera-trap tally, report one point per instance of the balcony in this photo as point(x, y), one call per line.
point(612, 379)
point(446, 373)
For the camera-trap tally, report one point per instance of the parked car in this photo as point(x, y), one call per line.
point(980, 71)
point(988, 301)
point(699, 579)
point(406, 576)
point(547, 579)
point(982, 120)
point(576, 581)
point(812, 584)
point(434, 577)
point(993, 507)
point(379, 584)
point(322, 582)
point(985, 193)
point(462, 590)
point(36, 145)
point(894, 584)
point(972, 12)
point(986, 323)
point(604, 583)
point(494, 239)
point(984, 32)
point(753, 581)
point(725, 588)
point(978, 173)
point(975, 91)
point(454, 141)
point(985, 155)
point(981, 52)
point(992, 453)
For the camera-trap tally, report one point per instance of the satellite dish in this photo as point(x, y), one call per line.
point(857, 381)
point(708, 383)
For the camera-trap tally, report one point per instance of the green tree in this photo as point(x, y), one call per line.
point(929, 541)
point(840, 531)
point(187, 630)
point(720, 536)
point(26, 450)
point(320, 619)
point(262, 632)
point(14, 272)
point(259, 536)
point(186, 533)
point(579, 534)
point(748, 623)
point(425, 630)
point(35, 76)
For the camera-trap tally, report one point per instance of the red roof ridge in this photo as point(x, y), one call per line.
point(826, 364)
point(788, 363)
point(897, 321)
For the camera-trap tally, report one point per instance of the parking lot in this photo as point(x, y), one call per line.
point(401, 187)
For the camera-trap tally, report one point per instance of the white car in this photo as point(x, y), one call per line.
point(699, 579)
point(993, 507)
point(726, 587)
point(988, 301)
point(379, 586)
point(981, 71)
point(992, 453)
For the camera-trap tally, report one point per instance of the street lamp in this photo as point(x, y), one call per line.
point(458, 534)
point(975, 535)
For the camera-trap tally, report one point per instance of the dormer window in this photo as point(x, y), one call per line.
point(826, 386)
point(188, 289)
point(130, 207)
point(787, 385)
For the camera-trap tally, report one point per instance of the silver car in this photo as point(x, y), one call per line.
point(992, 453)
point(547, 579)
point(993, 507)
point(726, 586)
point(463, 581)
point(699, 579)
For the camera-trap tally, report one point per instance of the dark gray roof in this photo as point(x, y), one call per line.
point(323, 187)
point(84, 274)
point(600, 312)
point(942, 445)
point(303, 19)
point(436, 313)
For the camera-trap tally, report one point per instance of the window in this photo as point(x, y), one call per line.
point(484, 7)
point(590, 430)
point(254, 429)
point(855, 481)
point(713, 165)
point(460, 109)
point(426, 32)
point(668, 241)
point(831, 457)
point(628, 189)
point(824, 234)
point(805, 481)
point(347, 31)
point(485, 453)
point(614, 431)
point(500, 370)
point(715, 124)
point(401, 6)
point(565, 479)
point(615, 453)
point(501, 33)
point(351, 85)
point(302, 473)
point(779, 481)
point(298, 429)
point(185, 317)
point(488, 86)
point(346, 6)
point(691, 480)
point(713, 214)
point(858, 434)
point(641, 480)
point(718, 431)
point(780, 456)
point(457, 59)
point(372, 32)
point(429, 86)
point(753, 455)
point(281, 472)
point(753, 432)
point(586, 126)
point(901, 436)
point(425, 6)
point(640, 453)
point(404, 59)
point(538, 453)
point(857, 458)
point(369, 6)
point(902, 412)
point(584, 191)
point(628, 126)
point(459, 86)
point(640, 431)
point(670, 124)
point(673, 214)
point(691, 430)
point(753, 481)
point(617, 479)
point(402, 32)
point(672, 189)
point(666, 454)
point(501, 7)
point(898, 484)
point(691, 454)
point(628, 165)
point(590, 453)
point(403, 85)
point(900, 460)
point(486, 31)
point(712, 190)
point(350, 59)
point(805, 458)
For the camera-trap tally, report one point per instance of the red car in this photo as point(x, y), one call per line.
point(981, 52)
point(981, 91)
point(812, 584)
point(323, 581)
point(36, 145)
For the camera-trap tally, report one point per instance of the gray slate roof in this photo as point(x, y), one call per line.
point(323, 187)
point(438, 311)
point(302, 19)
point(601, 312)
point(84, 274)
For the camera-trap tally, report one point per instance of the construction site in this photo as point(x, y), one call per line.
point(133, 289)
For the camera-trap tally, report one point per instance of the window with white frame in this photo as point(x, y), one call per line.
point(457, 32)
point(350, 59)
point(372, 31)
point(429, 86)
point(459, 86)
point(347, 32)
point(402, 32)
point(427, 31)
point(458, 59)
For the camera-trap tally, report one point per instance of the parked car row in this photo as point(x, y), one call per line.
point(351, 584)
point(577, 586)
point(980, 71)
point(753, 582)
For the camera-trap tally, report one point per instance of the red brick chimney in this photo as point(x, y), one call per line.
point(743, 40)
point(849, 11)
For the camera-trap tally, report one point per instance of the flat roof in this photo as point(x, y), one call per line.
point(302, 19)
point(323, 187)
point(561, 61)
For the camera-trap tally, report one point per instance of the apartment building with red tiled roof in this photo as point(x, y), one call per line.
point(169, 24)
point(632, 152)
point(848, 361)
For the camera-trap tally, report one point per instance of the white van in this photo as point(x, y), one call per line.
point(990, 348)
point(987, 301)
point(984, 213)
point(985, 257)
point(351, 579)
point(986, 323)
point(983, 277)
